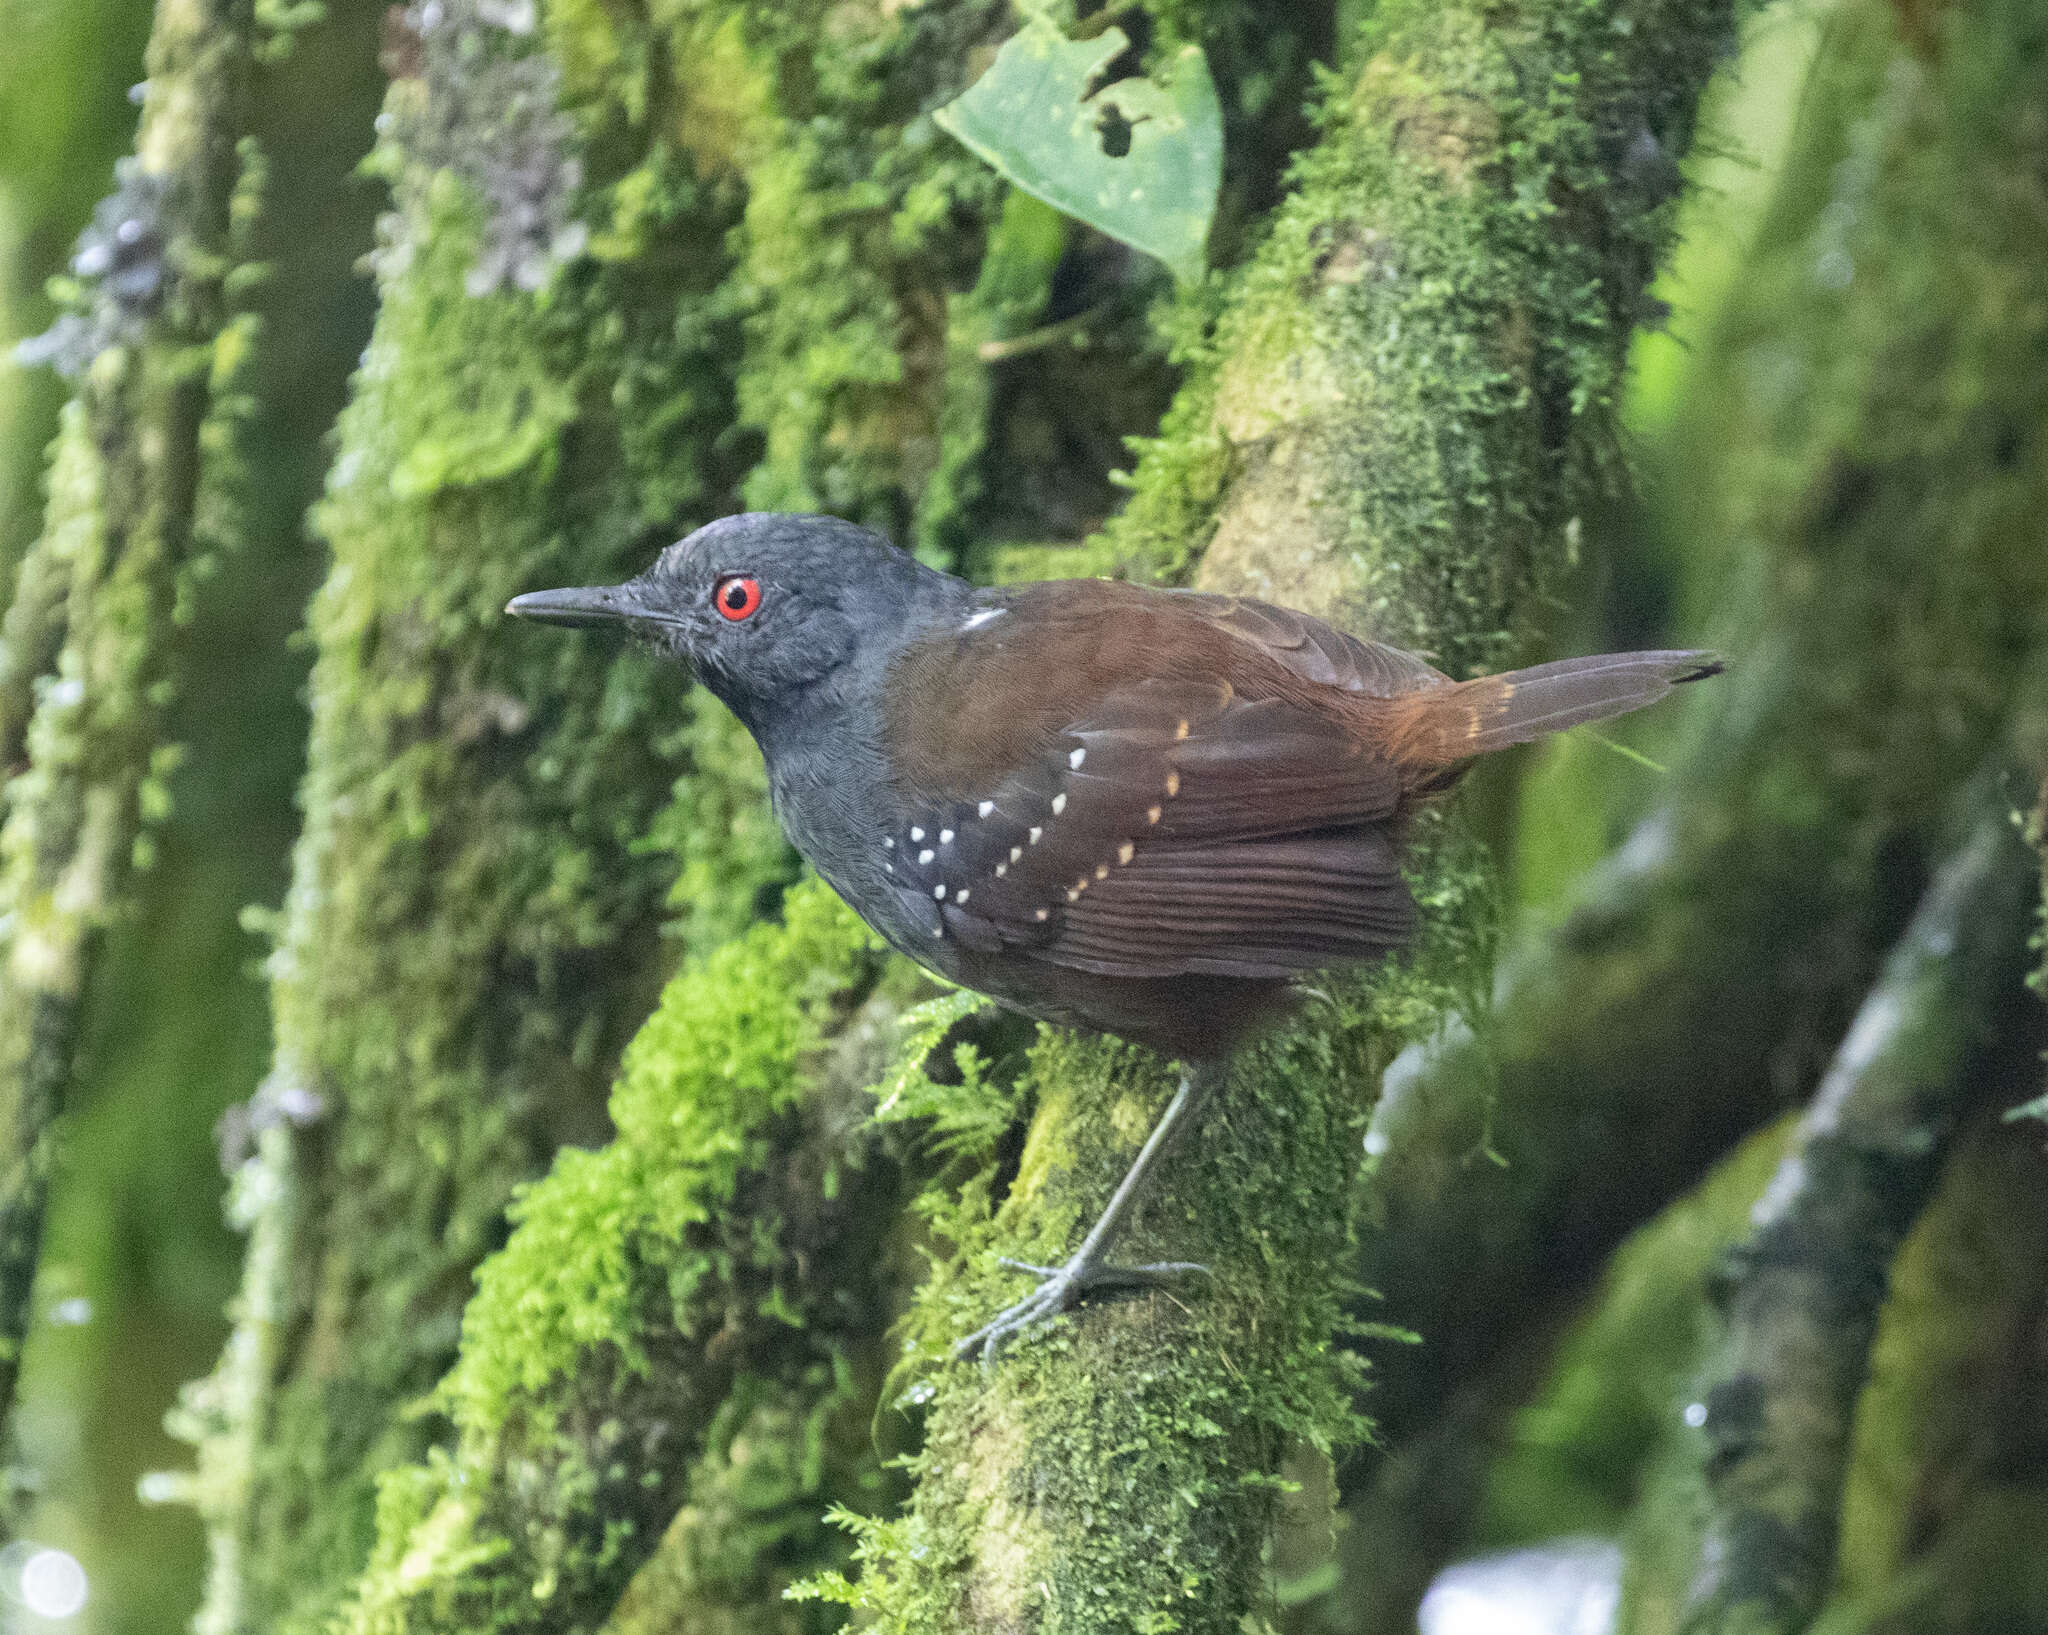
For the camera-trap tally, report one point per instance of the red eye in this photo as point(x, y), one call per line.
point(737, 597)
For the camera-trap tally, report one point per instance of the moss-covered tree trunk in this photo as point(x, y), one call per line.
point(87, 669)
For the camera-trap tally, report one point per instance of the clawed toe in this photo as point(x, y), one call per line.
point(1061, 1288)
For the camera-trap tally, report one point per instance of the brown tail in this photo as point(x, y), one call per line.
point(1443, 725)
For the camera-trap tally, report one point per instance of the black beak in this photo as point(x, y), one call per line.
point(599, 604)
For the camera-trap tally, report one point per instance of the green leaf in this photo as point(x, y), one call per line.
point(1028, 117)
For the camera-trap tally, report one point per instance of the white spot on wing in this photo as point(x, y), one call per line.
point(985, 808)
point(945, 837)
point(1074, 760)
point(926, 855)
point(939, 892)
point(1035, 833)
point(987, 615)
point(917, 834)
point(1059, 803)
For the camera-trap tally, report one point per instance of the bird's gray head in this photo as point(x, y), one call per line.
point(764, 606)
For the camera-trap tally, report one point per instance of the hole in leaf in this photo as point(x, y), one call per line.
point(1114, 129)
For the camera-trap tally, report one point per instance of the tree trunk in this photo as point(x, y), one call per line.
point(82, 704)
point(1704, 979)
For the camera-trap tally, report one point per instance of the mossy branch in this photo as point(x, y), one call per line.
point(711, 1277)
point(1804, 1289)
point(1675, 1008)
point(88, 671)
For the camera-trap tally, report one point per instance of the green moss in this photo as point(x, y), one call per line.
point(707, 1076)
point(733, 862)
point(1025, 246)
point(1161, 1419)
point(752, 1515)
point(678, 1316)
point(859, 215)
point(87, 688)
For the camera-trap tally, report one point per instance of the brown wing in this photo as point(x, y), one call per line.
point(1178, 823)
point(1316, 651)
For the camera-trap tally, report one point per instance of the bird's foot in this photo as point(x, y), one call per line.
point(1061, 1287)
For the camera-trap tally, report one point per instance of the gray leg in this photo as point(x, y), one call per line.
point(1088, 1270)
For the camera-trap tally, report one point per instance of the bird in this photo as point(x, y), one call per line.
point(1145, 812)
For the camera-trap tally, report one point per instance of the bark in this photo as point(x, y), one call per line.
point(119, 538)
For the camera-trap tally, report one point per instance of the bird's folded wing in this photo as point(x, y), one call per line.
point(1175, 827)
point(1313, 650)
